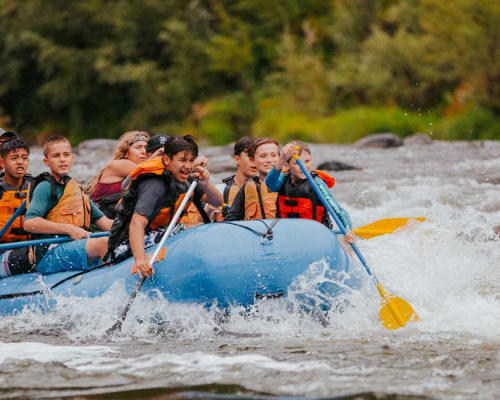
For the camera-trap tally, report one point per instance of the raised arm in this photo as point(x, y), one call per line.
point(118, 170)
point(274, 180)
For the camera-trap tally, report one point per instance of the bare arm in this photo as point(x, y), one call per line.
point(212, 195)
point(104, 224)
point(41, 225)
point(136, 236)
point(117, 170)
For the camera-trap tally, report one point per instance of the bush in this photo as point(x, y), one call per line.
point(474, 124)
point(344, 127)
point(226, 119)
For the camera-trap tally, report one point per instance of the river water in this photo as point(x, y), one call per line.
point(447, 268)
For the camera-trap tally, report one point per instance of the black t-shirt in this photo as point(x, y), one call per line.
point(153, 195)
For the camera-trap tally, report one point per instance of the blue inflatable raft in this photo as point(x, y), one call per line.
point(222, 263)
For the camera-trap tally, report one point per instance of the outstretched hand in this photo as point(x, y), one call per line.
point(143, 266)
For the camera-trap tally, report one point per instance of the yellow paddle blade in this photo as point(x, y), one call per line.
point(395, 312)
point(383, 227)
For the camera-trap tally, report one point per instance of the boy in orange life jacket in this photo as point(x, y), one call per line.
point(4, 137)
point(296, 197)
point(58, 206)
point(14, 188)
point(253, 200)
point(155, 192)
point(245, 170)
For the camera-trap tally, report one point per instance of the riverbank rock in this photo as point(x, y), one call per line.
point(336, 166)
point(97, 145)
point(380, 141)
point(417, 139)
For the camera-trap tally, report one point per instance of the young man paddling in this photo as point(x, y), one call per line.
point(254, 200)
point(59, 206)
point(296, 198)
point(153, 195)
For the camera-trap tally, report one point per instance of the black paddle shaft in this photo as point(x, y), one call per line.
point(118, 324)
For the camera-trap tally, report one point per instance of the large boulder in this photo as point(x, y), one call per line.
point(336, 166)
point(380, 140)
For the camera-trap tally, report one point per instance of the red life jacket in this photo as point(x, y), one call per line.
point(300, 201)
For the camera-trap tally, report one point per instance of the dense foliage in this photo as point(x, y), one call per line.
point(321, 70)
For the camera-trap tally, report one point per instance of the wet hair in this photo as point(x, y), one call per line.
point(242, 145)
point(121, 150)
point(53, 140)
point(304, 148)
point(13, 145)
point(260, 142)
point(177, 144)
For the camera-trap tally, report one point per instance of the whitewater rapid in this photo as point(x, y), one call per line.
point(447, 268)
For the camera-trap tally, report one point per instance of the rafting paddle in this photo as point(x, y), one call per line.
point(11, 220)
point(118, 324)
point(48, 241)
point(383, 227)
point(395, 312)
point(376, 228)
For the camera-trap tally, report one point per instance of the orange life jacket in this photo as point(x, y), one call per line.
point(260, 203)
point(10, 201)
point(73, 207)
point(155, 167)
point(191, 215)
point(126, 205)
point(328, 179)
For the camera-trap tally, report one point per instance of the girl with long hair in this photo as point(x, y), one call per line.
point(105, 188)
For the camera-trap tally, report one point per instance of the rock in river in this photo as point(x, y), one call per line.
point(380, 140)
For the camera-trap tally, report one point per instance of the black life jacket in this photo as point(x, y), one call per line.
point(229, 193)
point(108, 204)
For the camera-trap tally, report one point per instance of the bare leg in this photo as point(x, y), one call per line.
point(96, 248)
